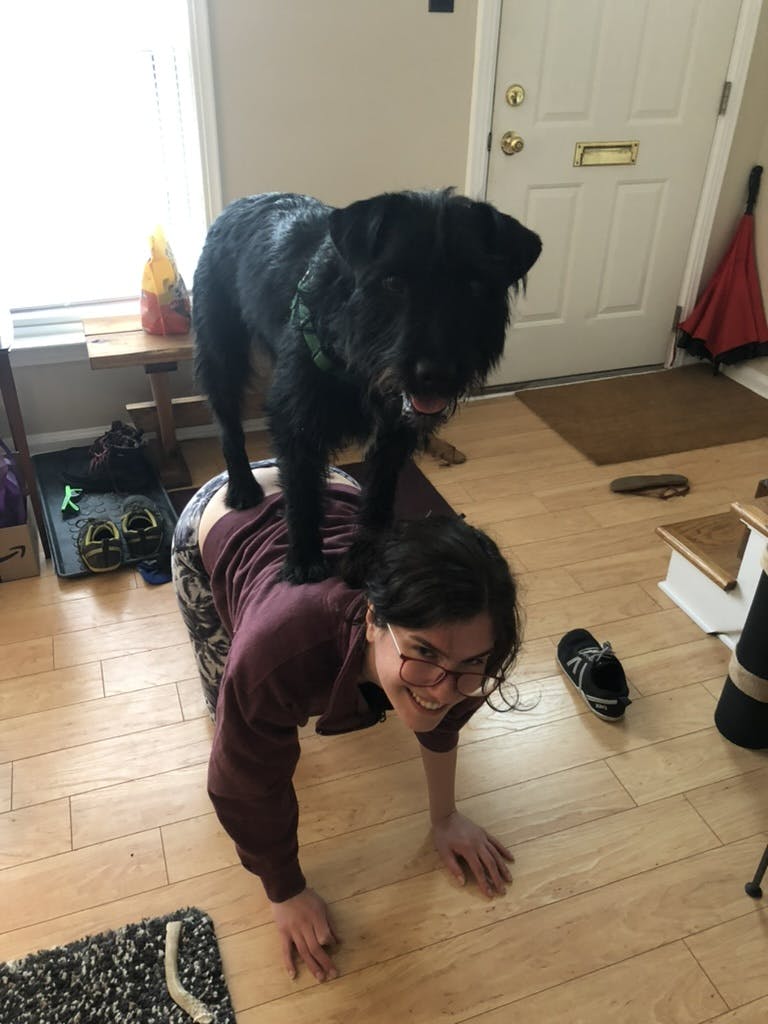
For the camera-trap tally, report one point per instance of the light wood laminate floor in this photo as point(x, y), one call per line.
point(632, 841)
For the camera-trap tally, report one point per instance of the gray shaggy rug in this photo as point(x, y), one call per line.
point(117, 977)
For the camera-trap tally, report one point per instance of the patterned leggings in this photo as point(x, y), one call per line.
point(210, 641)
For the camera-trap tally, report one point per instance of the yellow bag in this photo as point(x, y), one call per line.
point(165, 307)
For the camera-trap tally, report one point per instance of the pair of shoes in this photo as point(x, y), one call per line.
point(116, 462)
point(596, 673)
point(101, 547)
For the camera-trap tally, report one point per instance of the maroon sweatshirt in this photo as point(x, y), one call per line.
point(297, 652)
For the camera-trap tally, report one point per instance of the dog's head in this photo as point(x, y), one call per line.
point(428, 276)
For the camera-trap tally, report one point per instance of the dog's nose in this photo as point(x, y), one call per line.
point(430, 376)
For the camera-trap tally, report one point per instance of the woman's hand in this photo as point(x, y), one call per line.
point(303, 923)
point(457, 836)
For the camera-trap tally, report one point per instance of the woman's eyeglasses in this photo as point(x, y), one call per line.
point(416, 672)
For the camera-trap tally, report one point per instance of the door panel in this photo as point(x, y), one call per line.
point(603, 293)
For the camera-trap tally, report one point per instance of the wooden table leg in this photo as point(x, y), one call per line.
point(19, 438)
point(171, 465)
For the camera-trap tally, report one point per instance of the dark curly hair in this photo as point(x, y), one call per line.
point(440, 569)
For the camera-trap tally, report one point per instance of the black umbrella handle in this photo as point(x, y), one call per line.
point(754, 187)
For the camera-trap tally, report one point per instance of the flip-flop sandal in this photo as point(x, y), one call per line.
point(663, 485)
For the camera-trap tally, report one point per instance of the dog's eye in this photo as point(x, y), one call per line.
point(395, 285)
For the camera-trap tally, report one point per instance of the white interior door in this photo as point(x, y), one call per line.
point(603, 294)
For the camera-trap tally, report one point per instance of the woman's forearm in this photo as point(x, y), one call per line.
point(440, 773)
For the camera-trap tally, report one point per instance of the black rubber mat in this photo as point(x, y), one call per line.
point(53, 469)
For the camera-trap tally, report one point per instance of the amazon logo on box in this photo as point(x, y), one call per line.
point(19, 554)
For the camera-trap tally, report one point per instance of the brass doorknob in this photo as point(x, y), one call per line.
point(511, 143)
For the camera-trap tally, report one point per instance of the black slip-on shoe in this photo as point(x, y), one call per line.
point(596, 673)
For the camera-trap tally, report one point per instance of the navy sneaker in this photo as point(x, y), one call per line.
point(596, 673)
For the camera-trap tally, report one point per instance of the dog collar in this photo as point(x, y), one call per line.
point(302, 318)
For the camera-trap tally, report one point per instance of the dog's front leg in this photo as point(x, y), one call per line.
point(383, 461)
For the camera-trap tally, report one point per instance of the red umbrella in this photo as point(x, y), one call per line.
point(728, 323)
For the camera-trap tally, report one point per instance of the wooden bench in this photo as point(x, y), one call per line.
point(119, 342)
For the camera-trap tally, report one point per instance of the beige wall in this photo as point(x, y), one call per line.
point(341, 98)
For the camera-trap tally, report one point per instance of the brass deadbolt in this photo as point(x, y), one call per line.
point(515, 95)
point(511, 143)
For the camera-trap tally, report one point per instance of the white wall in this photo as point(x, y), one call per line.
point(341, 99)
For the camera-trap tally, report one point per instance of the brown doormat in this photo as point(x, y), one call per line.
point(415, 496)
point(647, 414)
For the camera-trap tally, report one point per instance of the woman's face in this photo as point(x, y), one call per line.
point(461, 646)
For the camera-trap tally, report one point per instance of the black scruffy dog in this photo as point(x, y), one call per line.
point(378, 318)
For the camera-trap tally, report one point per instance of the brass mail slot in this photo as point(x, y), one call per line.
point(601, 154)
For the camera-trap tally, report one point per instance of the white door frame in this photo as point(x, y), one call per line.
point(481, 122)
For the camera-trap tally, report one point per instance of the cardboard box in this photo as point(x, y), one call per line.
point(19, 550)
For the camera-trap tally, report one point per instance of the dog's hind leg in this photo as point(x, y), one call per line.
point(222, 366)
point(243, 491)
point(302, 467)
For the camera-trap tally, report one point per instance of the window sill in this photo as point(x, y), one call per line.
point(57, 336)
point(48, 349)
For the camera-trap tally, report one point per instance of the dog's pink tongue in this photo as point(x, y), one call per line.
point(428, 406)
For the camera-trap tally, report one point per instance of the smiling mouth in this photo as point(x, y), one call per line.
point(425, 705)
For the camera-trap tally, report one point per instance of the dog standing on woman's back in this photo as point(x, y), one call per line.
point(378, 318)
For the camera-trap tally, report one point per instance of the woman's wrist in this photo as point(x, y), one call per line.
point(440, 771)
point(276, 903)
point(441, 814)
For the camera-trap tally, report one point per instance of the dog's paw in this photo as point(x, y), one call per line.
point(296, 573)
point(245, 496)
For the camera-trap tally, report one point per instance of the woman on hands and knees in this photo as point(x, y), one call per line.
point(429, 637)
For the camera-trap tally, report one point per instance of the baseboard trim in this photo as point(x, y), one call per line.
point(749, 377)
point(58, 440)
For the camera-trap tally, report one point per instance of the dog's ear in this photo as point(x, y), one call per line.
point(358, 230)
point(516, 247)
